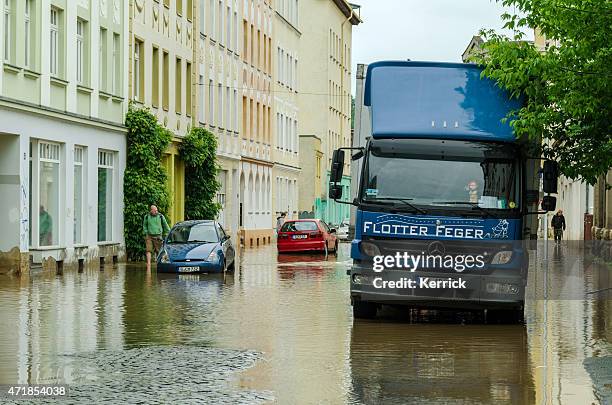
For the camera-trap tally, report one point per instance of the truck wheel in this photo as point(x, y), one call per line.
point(364, 310)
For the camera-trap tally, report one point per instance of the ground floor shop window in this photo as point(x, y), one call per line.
point(105, 195)
point(79, 153)
point(49, 192)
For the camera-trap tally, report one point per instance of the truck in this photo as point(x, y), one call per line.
point(439, 177)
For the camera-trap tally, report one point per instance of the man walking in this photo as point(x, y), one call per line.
point(155, 228)
point(280, 221)
point(558, 224)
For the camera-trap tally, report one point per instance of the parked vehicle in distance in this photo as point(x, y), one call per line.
point(343, 230)
point(196, 247)
point(303, 235)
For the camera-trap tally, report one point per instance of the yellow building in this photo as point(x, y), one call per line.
point(285, 150)
point(162, 38)
point(218, 96)
point(325, 96)
point(255, 219)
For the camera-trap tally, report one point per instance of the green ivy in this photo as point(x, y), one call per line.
point(199, 152)
point(144, 182)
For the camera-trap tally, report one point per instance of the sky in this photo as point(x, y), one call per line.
point(428, 30)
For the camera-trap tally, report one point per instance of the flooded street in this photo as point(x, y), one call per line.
point(281, 330)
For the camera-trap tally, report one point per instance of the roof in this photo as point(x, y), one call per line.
point(436, 100)
point(347, 10)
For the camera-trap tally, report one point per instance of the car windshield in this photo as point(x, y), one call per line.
point(299, 226)
point(196, 233)
point(442, 174)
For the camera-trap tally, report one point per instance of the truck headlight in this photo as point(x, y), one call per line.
point(163, 257)
point(369, 249)
point(213, 256)
point(502, 257)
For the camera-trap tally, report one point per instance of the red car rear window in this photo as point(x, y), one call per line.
point(299, 226)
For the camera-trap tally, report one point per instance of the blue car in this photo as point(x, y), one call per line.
point(196, 247)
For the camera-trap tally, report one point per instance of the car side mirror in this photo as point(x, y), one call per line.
point(333, 230)
point(549, 203)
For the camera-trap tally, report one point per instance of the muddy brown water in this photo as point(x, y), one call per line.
point(281, 330)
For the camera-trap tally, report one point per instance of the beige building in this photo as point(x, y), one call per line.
point(162, 39)
point(325, 96)
point(285, 151)
point(256, 219)
point(219, 69)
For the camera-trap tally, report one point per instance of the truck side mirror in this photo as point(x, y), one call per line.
point(550, 174)
point(549, 203)
point(337, 166)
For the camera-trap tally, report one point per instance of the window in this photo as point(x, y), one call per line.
point(219, 23)
point(220, 106)
point(105, 195)
point(179, 7)
point(189, 11)
point(54, 42)
point(27, 34)
point(155, 78)
point(188, 89)
point(117, 64)
point(79, 153)
point(49, 193)
point(166, 82)
point(228, 28)
point(202, 95)
point(235, 126)
point(80, 49)
point(178, 76)
point(139, 70)
point(102, 62)
point(235, 30)
point(7, 30)
point(211, 103)
point(227, 102)
point(211, 18)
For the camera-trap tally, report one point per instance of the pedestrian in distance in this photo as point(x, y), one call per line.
point(155, 229)
point(558, 225)
point(280, 221)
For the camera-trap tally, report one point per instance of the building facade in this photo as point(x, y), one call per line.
point(285, 114)
point(219, 96)
point(161, 49)
point(63, 90)
point(255, 206)
point(325, 98)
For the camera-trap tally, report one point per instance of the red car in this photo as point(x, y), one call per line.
point(306, 235)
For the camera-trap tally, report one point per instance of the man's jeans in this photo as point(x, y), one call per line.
point(558, 235)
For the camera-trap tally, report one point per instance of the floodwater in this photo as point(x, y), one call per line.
point(281, 331)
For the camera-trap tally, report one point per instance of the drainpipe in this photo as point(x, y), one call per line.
point(342, 65)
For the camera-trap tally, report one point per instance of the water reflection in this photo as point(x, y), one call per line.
point(425, 363)
point(286, 322)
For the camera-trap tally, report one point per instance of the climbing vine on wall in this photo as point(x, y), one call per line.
point(199, 152)
point(145, 178)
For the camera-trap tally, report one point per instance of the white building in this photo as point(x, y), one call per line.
point(62, 143)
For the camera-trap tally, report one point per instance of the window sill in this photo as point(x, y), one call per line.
point(105, 95)
point(30, 74)
point(118, 99)
point(84, 89)
point(58, 81)
point(110, 243)
point(11, 68)
point(46, 248)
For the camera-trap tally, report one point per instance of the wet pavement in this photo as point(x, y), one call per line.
point(281, 330)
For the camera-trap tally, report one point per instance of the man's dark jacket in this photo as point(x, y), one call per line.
point(558, 222)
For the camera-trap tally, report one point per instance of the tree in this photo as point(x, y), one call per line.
point(199, 152)
point(144, 181)
point(567, 90)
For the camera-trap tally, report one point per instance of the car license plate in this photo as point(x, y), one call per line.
point(188, 269)
point(300, 236)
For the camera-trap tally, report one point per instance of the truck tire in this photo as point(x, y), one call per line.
point(364, 310)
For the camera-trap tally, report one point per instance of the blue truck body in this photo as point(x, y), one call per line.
point(433, 125)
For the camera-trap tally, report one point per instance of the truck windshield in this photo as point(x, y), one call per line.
point(437, 173)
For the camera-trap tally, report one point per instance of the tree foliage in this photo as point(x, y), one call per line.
point(199, 152)
point(567, 89)
point(144, 182)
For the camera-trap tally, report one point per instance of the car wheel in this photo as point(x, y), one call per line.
point(335, 248)
point(232, 267)
point(364, 310)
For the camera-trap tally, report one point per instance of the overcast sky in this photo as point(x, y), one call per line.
point(429, 30)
